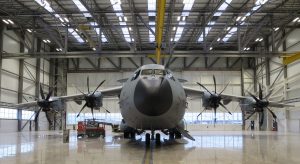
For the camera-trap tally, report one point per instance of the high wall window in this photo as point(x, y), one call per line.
point(208, 118)
point(26, 115)
point(8, 113)
point(73, 119)
point(190, 118)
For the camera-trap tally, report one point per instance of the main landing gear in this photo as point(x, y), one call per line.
point(156, 138)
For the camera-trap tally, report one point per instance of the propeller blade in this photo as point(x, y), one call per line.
point(268, 95)
point(215, 120)
point(78, 89)
point(88, 83)
point(42, 92)
point(204, 87)
point(224, 88)
point(106, 109)
point(81, 109)
point(201, 113)
point(49, 94)
point(250, 115)
point(261, 121)
point(98, 87)
point(260, 93)
point(273, 114)
point(37, 114)
point(215, 83)
point(92, 110)
point(254, 97)
point(225, 108)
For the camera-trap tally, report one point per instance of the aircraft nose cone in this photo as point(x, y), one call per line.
point(153, 97)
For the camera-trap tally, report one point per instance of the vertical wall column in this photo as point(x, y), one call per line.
point(20, 85)
point(242, 74)
point(37, 78)
point(1, 53)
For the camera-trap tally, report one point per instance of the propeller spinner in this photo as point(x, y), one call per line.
point(90, 98)
point(214, 99)
point(261, 103)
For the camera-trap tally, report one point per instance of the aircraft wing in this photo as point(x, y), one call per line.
point(197, 93)
point(279, 105)
point(192, 92)
point(109, 92)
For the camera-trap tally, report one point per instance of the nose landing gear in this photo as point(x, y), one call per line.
point(148, 138)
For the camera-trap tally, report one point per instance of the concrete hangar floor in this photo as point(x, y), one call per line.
point(210, 147)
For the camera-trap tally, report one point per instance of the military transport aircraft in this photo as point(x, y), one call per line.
point(153, 99)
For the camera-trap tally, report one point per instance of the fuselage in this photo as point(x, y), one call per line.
point(152, 99)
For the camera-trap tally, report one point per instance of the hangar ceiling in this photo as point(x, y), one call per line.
point(191, 27)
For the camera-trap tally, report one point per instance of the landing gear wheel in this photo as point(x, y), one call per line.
point(132, 135)
point(147, 139)
point(171, 136)
point(157, 139)
point(177, 135)
point(126, 135)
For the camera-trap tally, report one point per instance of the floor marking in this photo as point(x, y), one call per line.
point(148, 157)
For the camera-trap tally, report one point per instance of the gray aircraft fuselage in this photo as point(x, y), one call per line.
point(153, 99)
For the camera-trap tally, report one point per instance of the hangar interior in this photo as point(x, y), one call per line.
point(58, 44)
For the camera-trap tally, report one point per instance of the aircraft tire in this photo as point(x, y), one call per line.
point(157, 139)
point(147, 139)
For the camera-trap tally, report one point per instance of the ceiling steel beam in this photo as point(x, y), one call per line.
point(113, 54)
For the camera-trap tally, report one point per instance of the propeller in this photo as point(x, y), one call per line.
point(90, 98)
point(261, 104)
point(44, 103)
point(215, 98)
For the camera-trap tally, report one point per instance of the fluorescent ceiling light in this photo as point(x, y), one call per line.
point(243, 19)
point(238, 18)
point(217, 14)
point(296, 19)
point(125, 19)
point(80, 6)
point(178, 18)
point(210, 48)
point(29, 30)
point(261, 2)
point(174, 28)
point(5, 21)
point(120, 19)
point(10, 21)
point(277, 28)
point(66, 19)
point(45, 4)
point(255, 8)
point(129, 28)
point(218, 39)
point(94, 48)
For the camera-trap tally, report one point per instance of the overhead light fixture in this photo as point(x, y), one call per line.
point(174, 28)
point(228, 28)
point(132, 40)
point(29, 30)
point(94, 48)
point(238, 18)
point(277, 28)
point(120, 19)
point(48, 41)
point(183, 18)
point(210, 48)
point(5, 21)
point(248, 48)
point(125, 19)
point(10, 21)
point(45, 41)
point(171, 39)
point(178, 18)
point(261, 39)
point(218, 39)
point(243, 19)
point(296, 19)
point(66, 19)
point(130, 28)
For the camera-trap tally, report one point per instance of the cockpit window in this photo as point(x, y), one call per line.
point(136, 75)
point(160, 72)
point(147, 72)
